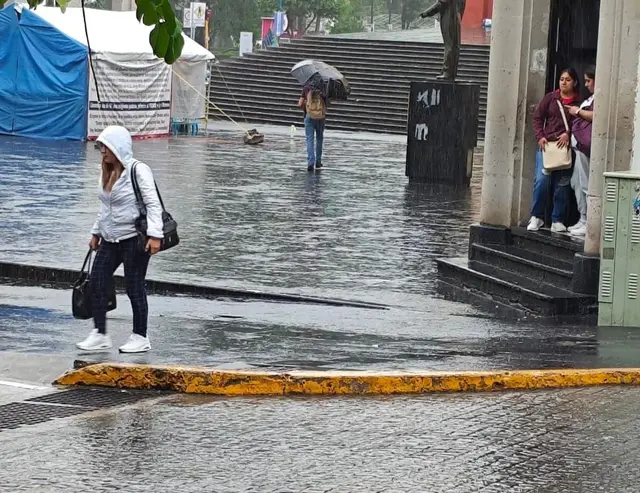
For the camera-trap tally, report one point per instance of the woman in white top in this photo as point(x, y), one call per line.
point(115, 237)
point(581, 144)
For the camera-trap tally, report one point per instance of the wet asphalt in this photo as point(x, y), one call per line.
point(252, 217)
point(565, 441)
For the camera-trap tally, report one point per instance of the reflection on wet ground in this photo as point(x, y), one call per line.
point(292, 336)
point(251, 216)
point(566, 441)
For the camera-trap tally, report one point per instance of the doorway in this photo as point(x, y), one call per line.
point(573, 37)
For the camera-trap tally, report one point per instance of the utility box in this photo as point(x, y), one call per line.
point(619, 297)
point(442, 131)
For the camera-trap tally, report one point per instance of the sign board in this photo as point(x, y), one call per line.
point(199, 10)
point(246, 43)
point(135, 94)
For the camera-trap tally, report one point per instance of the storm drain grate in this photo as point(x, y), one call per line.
point(18, 414)
point(93, 398)
point(65, 404)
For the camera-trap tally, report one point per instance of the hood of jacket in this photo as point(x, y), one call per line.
point(118, 140)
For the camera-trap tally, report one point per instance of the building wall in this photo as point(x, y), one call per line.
point(476, 11)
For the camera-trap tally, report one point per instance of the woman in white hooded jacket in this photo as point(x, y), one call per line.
point(115, 237)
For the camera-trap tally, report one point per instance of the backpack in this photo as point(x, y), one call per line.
point(316, 109)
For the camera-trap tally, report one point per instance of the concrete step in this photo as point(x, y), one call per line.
point(384, 45)
point(375, 71)
point(257, 116)
point(511, 289)
point(286, 105)
point(544, 242)
point(292, 57)
point(525, 263)
point(379, 90)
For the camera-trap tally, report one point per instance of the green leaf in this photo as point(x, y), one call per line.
point(162, 41)
point(168, 15)
point(177, 42)
point(169, 57)
point(63, 5)
point(153, 36)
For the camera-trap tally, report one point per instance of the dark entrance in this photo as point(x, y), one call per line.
point(573, 37)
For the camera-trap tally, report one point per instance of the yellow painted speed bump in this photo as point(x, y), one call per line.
point(234, 383)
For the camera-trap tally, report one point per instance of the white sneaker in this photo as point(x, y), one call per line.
point(136, 344)
point(535, 224)
point(95, 342)
point(558, 228)
point(581, 230)
point(579, 225)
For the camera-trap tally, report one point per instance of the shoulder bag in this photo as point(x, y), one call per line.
point(556, 158)
point(82, 297)
point(169, 225)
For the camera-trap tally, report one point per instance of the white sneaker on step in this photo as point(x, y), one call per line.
point(535, 224)
point(95, 342)
point(136, 344)
point(579, 231)
point(558, 228)
point(579, 225)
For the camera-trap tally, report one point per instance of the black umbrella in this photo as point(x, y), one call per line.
point(317, 72)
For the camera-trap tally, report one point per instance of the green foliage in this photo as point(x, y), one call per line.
point(165, 38)
point(349, 19)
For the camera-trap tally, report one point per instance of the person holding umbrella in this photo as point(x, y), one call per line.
point(321, 83)
point(313, 102)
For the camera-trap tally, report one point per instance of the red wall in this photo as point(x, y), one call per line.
point(476, 11)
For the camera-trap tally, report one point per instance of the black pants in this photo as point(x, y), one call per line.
point(108, 259)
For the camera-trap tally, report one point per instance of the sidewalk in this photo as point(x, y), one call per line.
point(252, 217)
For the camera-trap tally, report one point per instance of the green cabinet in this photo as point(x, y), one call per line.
point(618, 296)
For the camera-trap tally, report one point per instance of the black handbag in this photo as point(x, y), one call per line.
point(81, 299)
point(169, 225)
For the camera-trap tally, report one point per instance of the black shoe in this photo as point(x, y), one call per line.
point(310, 167)
point(318, 165)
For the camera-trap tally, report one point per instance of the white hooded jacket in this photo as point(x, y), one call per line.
point(118, 208)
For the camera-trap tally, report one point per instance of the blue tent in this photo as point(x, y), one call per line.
point(44, 79)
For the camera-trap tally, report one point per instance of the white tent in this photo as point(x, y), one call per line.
point(136, 89)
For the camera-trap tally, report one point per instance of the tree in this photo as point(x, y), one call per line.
point(305, 13)
point(165, 38)
point(349, 19)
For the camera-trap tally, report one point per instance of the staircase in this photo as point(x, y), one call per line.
point(259, 88)
point(529, 273)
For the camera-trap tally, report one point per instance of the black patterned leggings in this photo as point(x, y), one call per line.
point(108, 259)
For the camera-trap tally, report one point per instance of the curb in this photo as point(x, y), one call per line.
point(193, 380)
point(64, 278)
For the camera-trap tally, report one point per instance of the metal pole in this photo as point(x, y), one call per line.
point(372, 2)
point(193, 22)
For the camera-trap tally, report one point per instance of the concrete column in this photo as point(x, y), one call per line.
point(635, 159)
point(517, 73)
point(615, 104)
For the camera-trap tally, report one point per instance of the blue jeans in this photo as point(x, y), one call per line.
point(561, 181)
point(314, 130)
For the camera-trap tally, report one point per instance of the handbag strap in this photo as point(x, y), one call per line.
point(564, 116)
point(136, 189)
point(87, 260)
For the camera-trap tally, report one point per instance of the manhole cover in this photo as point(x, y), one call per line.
point(92, 398)
point(65, 404)
point(22, 413)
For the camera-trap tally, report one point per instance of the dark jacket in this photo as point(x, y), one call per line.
point(547, 120)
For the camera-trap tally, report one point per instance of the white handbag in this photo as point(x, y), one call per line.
point(556, 158)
